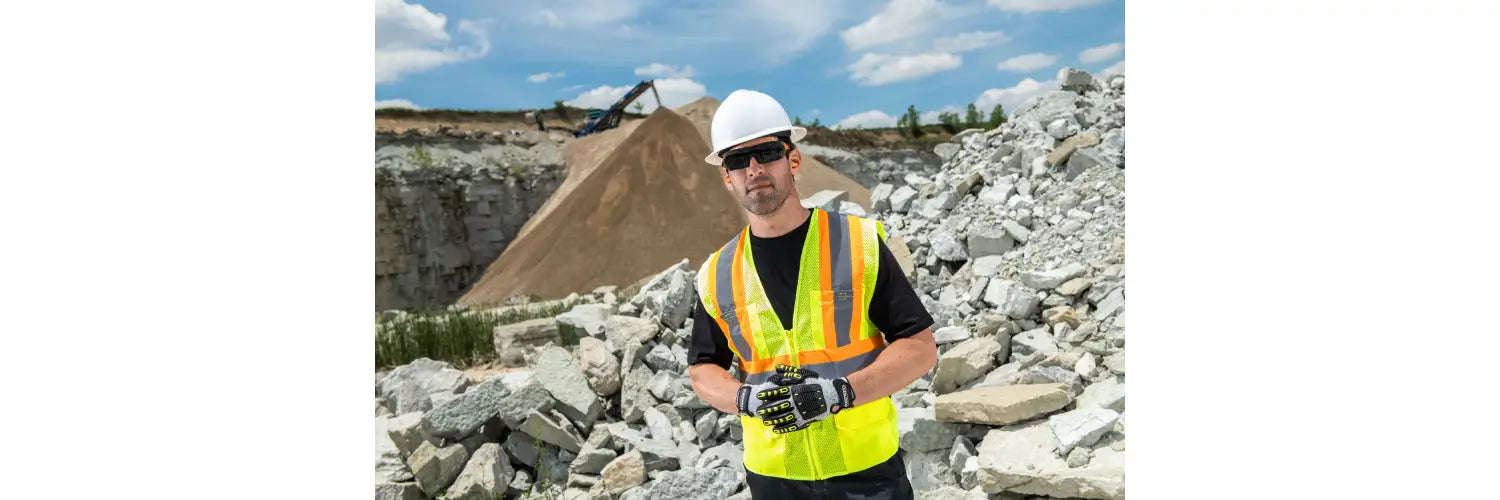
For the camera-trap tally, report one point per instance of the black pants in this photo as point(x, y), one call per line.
point(885, 481)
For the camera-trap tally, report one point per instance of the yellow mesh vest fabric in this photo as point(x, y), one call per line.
point(852, 440)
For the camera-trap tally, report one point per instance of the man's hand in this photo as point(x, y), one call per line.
point(745, 400)
point(799, 398)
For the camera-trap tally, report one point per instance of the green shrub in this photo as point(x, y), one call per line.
point(462, 337)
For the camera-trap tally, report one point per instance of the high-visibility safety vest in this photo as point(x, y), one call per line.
point(831, 334)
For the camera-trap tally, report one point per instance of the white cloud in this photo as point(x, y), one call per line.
point(665, 71)
point(396, 103)
point(868, 119)
point(901, 19)
point(931, 117)
point(1041, 5)
point(410, 39)
point(816, 112)
point(571, 88)
point(969, 41)
point(1101, 53)
point(1116, 68)
point(1013, 96)
point(880, 69)
point(1027, 62)
point(674, 92)
point(542, 77)
point(584, 13)
point(399, 24)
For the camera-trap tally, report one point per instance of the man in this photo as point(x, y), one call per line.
point(815, 311)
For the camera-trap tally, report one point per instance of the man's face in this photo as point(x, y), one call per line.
point(762, 189)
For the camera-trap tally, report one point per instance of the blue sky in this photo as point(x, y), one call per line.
point(855, 63)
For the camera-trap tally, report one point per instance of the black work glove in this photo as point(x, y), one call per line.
point(801, 398)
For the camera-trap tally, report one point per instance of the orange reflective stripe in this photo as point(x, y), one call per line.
point(857, 273)
point(855, 348)
point(825, 282)
point(740, 309)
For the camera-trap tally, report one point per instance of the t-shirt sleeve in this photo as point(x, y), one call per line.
point(709, 345)
point(895, 309)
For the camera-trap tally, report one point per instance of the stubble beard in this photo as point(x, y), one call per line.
point(762, 202)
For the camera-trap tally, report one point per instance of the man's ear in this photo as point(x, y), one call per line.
point(796, 156)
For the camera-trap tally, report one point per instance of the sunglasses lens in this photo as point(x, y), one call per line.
point(765, 156)
point(736, 162)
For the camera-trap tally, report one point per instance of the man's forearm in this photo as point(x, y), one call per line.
point(896, 367)
point(714, 386)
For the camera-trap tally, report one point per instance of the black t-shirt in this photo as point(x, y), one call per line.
point(895, 308)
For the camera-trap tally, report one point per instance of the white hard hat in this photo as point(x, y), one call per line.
point(745, 115)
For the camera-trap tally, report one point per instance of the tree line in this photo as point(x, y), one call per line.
point(909, 125)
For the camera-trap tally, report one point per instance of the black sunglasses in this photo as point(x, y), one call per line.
point(763, 153)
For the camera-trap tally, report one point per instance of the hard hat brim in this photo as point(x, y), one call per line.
point(797, 134)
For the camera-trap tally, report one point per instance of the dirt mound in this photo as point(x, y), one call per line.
point(701, 113)
point(581, 156)
point(647, 205)
point(815, 175)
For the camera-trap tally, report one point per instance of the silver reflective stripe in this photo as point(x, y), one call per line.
point(843, 279)
point(724, 282)
point(835, 369)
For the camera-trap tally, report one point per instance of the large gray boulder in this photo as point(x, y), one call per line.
point(405, 432)
point(827, 200)
point(563, 378)
point(1053, 375)
point(1106, 393)
point(1003, 405)
point(1081, 427)
point(462, 415)
point(987, 240)
point(484, 477)
point(1011, 298)
point(600, 368)
point(946, 150)
point(945, 245)
point(413, 386)
point(965, 362)
point(880, 197)
point(662, 358)
point(389, 467)
point(1035, 341)
point(964, 134)
point(635, 394)
point(526, 395)
point(587, 319)
point(1022, 459)
point(436, 468)
point(929, 470)
point(1053, 278)
point(921, 431)
point(626, 330)
point(516, 343)
point(1082, 160)
point(552, 428)
point(398, 491)
point(902, 198)
point(677, 302)
point(592, 460)
point(695, 484)
point(1113, 302)
point(1074, 79)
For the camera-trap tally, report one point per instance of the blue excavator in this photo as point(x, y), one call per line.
point(601, 120)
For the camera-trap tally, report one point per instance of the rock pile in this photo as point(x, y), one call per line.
point(1018, 243)
point(1019, 249)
